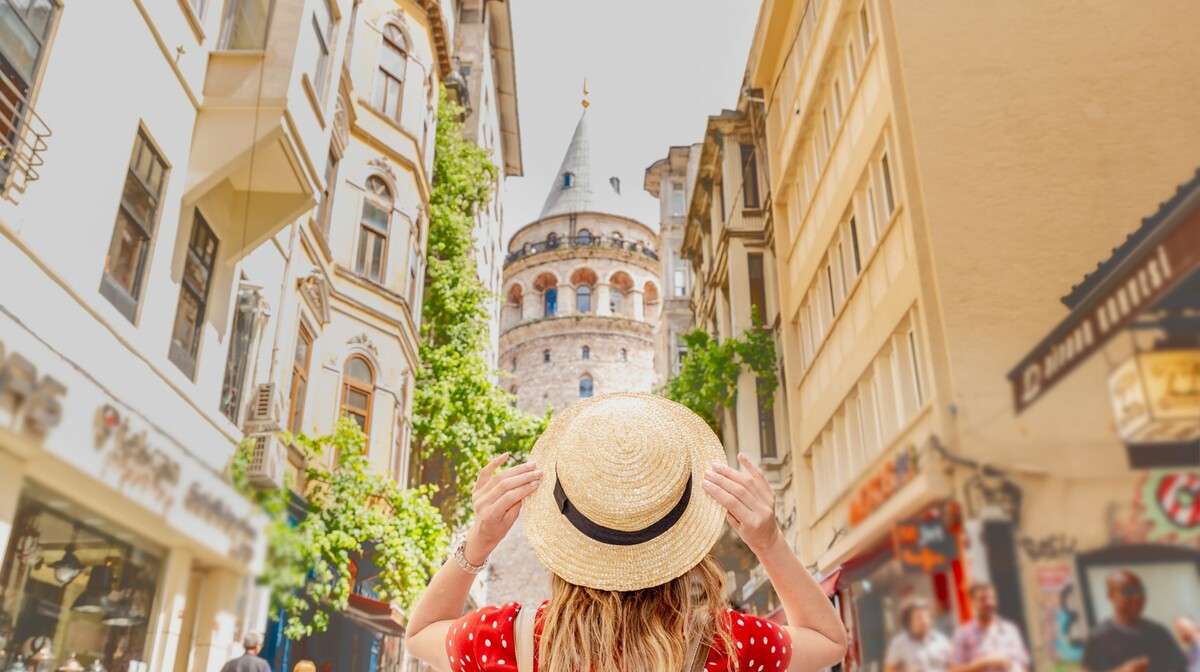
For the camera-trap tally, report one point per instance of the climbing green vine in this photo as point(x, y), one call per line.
point(461, 418)
point(347, 509)
point(707, 378)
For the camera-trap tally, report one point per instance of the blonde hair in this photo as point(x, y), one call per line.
point(305, 666)
point(649, 629)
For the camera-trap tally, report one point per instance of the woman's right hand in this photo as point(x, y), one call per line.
point(497, 500)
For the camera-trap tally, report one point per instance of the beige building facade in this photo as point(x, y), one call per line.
point(939, 179)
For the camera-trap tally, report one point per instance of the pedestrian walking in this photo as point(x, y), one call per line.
point(1188, 632)
point(249, 661)
point(987, 643)
point(1126, 642)
point(623, 498)
point(918, 647)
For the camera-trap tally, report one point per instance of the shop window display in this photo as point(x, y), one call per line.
point(74, 583)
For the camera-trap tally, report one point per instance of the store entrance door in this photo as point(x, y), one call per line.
point(1001, 545)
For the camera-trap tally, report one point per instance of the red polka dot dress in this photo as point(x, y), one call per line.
point(482, 641)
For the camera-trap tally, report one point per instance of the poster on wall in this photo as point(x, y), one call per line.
point(1060, 616)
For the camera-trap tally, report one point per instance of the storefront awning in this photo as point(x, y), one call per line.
point(376, 615)
point(829, 584)
point(1156, 269)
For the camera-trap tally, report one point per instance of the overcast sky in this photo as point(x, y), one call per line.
point(656, 70)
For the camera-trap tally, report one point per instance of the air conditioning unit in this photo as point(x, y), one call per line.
point(268, 461)
point(264, 411)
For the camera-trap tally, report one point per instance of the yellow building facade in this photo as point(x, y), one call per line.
point(939, 177)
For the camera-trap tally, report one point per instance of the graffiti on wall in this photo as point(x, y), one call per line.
point(1060, 615)
point(1165, 509)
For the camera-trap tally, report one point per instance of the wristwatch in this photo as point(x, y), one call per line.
point(460, 557)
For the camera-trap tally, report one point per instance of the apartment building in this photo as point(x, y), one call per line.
point(940, 175)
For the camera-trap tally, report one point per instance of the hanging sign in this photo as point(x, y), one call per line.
point(1156, 397)
point(924, 546)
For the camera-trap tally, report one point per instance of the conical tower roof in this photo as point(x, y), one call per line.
point(575, 189)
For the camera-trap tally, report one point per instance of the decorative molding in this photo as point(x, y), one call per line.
point(384, 166)
point(365, 342)
point(314, 289)
point(341, 126)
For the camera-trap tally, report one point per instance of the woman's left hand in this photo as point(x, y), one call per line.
point(749, 502)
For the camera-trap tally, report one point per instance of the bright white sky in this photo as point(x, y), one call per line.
point(656, 70)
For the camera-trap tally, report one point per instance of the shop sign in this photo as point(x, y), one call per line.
point(140, 465)
point(28, 402)
point(882, 484)
point(1109, 310)
point(924, 546)
point(1156, 396)
point(212, 509)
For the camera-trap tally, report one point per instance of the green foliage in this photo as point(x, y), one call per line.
point(461, 418)
point(348, 507)
point(707, 378)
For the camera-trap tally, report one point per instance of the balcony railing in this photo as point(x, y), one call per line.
point(22, 136)
point(594, 242)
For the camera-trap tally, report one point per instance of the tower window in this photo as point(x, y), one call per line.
point(587, 352)
point(624, 355)
point(546, 356)
point(568, 180)
point(586, 387)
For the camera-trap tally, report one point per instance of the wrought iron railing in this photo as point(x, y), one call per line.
point(595, 242)
point(22, 136)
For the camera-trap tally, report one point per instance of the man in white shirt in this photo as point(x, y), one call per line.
point(918, 648)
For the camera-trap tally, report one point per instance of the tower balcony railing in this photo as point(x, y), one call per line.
point(22, 136)
point(592, 242)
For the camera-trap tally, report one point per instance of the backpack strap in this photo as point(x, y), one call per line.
point(523, 638)
point(696, 654)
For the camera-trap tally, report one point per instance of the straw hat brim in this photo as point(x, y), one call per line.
point(584, 561)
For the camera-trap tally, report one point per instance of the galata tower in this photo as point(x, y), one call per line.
point(582, 296)
point(582, 304)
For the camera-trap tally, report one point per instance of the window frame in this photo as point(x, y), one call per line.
point(364, 387)
point(751, 198)
point(186, 357)
point(325, 207)
point(757, 285)
point(386, 205)
point(297, 396)
point(587, 387)
point(237, 363)
point(583, 294)
point(379, 97)
point(325, 49)
point(227, 22)
point(585, 353)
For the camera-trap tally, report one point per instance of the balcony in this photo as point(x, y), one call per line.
point(593, 242)
point(24, 136)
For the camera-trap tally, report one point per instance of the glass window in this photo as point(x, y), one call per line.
point(546, 356)
point(389, 78)
point(586, 353)
point(585, 387)
point(677, 199)
point(198, 7)
point(137, 212)
point(373, 230)
point(550, 301)
point(758, 288)
point(616, 300)
point(585, 237)
point(246, 24)
point(102, 611)
point(244, 328)
point(749, 177)
point(358, 386)
point(864, 24)
point(889, 197)
point(300, 363)
point(624, 355)
point(854, 244)
point(766, 421)
point(322, 22)
point(24, 27)
point(193, 296)
point(568, 179)
point(583, 299)
point(837, 104)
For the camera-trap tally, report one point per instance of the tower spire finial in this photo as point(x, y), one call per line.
point(585, 94)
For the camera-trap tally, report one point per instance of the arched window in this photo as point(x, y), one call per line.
point(615, 298)
point(551, 302)
point(546, 356)
point(586, 387)
point(587, 352)
point(389, 78)
point(623, 355)
point(373, 229)
point(358, 385)
point(568, 180)
point(583, 299)
point(552, 239)
point(585, 237)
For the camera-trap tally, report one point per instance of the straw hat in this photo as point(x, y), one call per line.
point(620, 506)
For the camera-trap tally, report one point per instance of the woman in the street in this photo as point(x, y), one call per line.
point(624, 496)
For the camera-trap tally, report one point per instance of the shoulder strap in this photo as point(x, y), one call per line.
point(523, 638)
point(696, 654)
